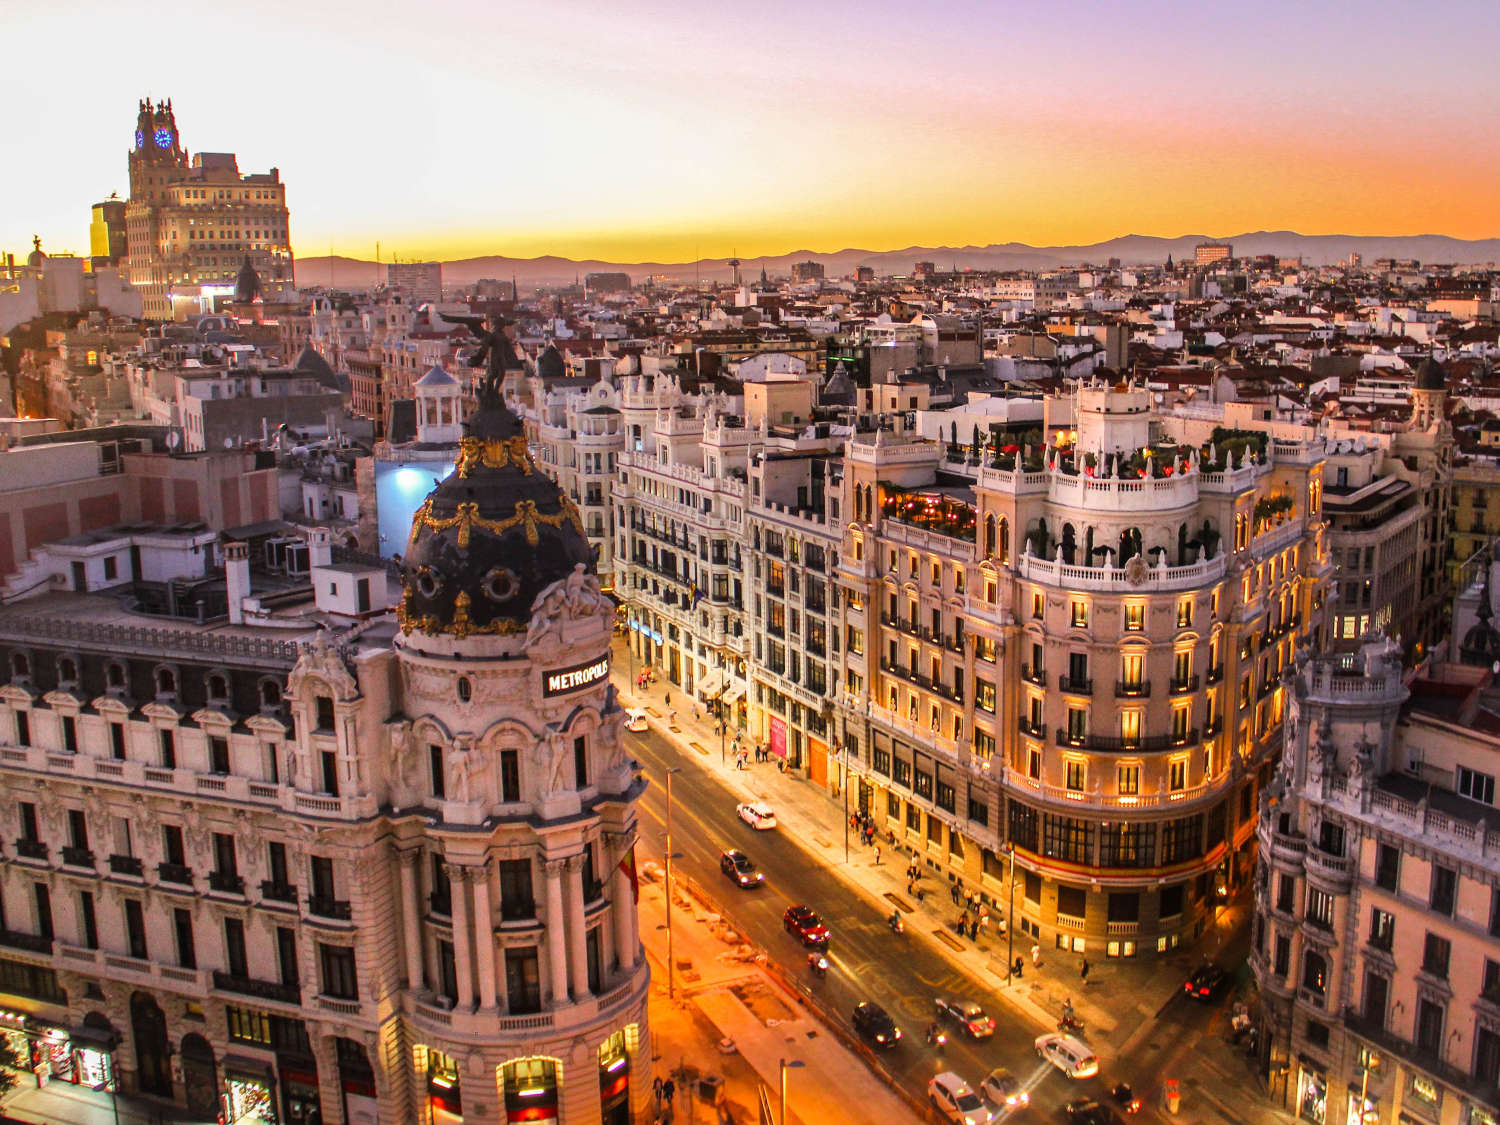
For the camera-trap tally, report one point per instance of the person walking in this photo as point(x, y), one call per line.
point(877, 855)
point(1036, 956)
point(668, 1089)
point(656, 1089)
point(666, 699)
point(1083, 970)
point(1020, 964)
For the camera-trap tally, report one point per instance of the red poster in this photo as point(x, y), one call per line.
point(778, 737)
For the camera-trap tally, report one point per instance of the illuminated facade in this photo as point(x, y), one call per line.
point(1074, 651)
point(191, 224)
point(1376, 937)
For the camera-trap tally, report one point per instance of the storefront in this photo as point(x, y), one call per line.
point(249, 1093)
point(444, 1097)
point(1312, 1094)
point(614, 1081)
point(531, 1090)
point(83, 1056)
point(299, 1091)
point(1371, 1115)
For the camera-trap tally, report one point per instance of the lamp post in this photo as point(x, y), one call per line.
point(844, 787)
point(786, 1065)
point(723, 719)
point(1010, 924)
point(671, 960)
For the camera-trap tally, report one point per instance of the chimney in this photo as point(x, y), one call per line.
point(319, 547)
point(237, 579)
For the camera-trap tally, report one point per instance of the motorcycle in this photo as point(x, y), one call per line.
point(1070, 1025)
point(818, 963)
point(936, 1036)
point(897, 926)
point(1125, 1096)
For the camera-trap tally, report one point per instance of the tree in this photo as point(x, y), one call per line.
point(10, 1062)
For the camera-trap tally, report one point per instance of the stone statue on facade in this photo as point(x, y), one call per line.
point(552, 759)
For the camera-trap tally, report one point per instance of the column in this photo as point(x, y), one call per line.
point(557, 953)
point(458, 880)
point(578, 953)
point(484, 936)
point(411, 917)
point(622, 906)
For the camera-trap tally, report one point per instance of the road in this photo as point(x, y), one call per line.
point(868, 962)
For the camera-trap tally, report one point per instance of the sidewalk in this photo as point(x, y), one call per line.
point(724, 997)
point(60, 1103)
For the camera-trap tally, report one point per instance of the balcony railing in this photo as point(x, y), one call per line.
point(31, 849)
point(227, 882)
point(260, 989)
point(1032, 675)
point(1075, 684)
point(1132, 689)
point(31, 943)
point(1214, 675)
point(325, 907)
point(278, 892)
point(126, 865)
point(77, 857)
point(175, 873)
point(1114, 743)
point(1036, 730)
point(1188, 685)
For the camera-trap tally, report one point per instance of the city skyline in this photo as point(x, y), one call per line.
point(646, 134)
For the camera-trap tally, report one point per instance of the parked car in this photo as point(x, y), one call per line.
point(1071, 1056)
point(970, 1018)
point(635, 720)
point(1086, 1111)
point(1003, 1090)
point(803, 923)
point(757, 814)
point(956, 1102)
point(739, 869)
point(874, 1023)
point(1207, 981)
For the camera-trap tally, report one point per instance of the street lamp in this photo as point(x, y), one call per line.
point(786, 1065)
point(671, 960)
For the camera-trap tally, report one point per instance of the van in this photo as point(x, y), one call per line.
point(1070, 1055)
point(635, 720)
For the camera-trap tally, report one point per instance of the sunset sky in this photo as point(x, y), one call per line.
point(670, 130)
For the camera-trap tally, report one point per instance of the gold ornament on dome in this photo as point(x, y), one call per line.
point(467, 517)
point(461, 626)
point(492, 453)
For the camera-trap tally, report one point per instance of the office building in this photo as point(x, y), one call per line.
point(419, 282)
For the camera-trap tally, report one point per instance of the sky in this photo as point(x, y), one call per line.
point(667, 131)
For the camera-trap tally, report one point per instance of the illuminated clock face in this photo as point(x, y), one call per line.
point(164, 138)
point(140, 138)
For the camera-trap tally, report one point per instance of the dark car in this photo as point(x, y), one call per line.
point(1206, 982)
point(874, 1023)
point(970, 1018)
point(739, 869)
point(803, 923)
point(1086, 1111)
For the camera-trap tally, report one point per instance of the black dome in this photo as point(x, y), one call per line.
point(549, 365)
point(1430, 376)
point(491, 537)
point(247, 284)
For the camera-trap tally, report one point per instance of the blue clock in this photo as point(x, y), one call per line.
point(140, 138)
point(164, 138)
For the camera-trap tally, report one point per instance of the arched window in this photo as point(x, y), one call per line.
point(20, 665)
point(1314, 972)
point(991, 537)
point(166, 681)
point(270, 694)
point(218, 687)
point(67, 670)
point(114, 675)
point(465, 690)
point(1004, 552)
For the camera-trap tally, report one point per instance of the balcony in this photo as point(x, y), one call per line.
point(260, 989)
point(31, 849)
point(1214, 675)
point(1334, 869)
point(441, 905)
point(1037, 676)
point(1075, 685)
point(126, 865)
point(175, 873)
point(1421, 1057)
point(325, 907)
point(278, 892)
point(1035, 730)
point(1114, 744)
point(227, 882)
point(1180, 687)
point(1135, 689)
point(78, 857)
point(30, 943)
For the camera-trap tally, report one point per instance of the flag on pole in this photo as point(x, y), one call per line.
point(627, 865)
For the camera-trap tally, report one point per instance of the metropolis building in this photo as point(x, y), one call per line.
point(307, 863)
point(1062, 662)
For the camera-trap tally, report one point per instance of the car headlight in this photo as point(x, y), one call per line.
point(898, 1033)
point(880, 1038)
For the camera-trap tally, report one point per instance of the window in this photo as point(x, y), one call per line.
point(234, 948)
point(1135, 617)
point(523, 987)
point(1023, 826)
point(517, 900)
point(324, 714)
point(1078, 615)
point(1078, 720)
point(580, 762)
point(1286, 894)
point(1476, 786)
point(1387, 866)
point(1185, 613)
point(1314, 973)
point(330, 773)
point(1444, 886)
point(322, 877)
point(339, 977)
point(1436, 952)
point(1283, 955)
point(135, 931)
point(1073, 769)
point(510, 776)
point(70, 734)
point(1376, 993)
point(1067, 838)
point(286, 956)
point(218, 755)
point(1382, 929)
point(1127, 845)
point(224, 856)
point(168, 744)
point(447, 968)
point(1319, 908)
point(1430, 1018)
point(1038, 603)
point(1177, 774)
point(117, 741)
point(945, 796)
point(1182, 839)
point(984, 694)
point(1128, 780)
point(979, 812)
point(435, 771)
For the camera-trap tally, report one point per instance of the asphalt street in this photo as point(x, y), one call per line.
point(904, 974)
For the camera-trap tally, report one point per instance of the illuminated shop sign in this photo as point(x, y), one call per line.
point(571, 679)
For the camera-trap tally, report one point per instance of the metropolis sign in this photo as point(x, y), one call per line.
point(571, 679)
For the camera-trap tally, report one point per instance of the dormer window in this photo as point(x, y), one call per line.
point(218, 688)
point(166, 682)
point(114, 676)
point(270, 695)
point(20, 665)
point(67, 671)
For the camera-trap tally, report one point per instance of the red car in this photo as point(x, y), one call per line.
point(1206, 982)
point(803, 923)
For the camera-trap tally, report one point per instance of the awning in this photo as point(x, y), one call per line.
point(733, 693)
point(710, 685)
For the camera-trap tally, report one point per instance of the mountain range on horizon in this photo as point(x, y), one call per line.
point(1133, 249)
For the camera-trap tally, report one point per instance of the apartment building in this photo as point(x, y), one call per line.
point(1062, 663)
point(342, 874)
point(1376, 938)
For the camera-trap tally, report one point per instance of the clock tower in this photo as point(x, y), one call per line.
point(158, 152)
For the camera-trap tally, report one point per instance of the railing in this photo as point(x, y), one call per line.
point(126, 865)
point(143, 640)
point(325, 907)
point(338, 1006)
point(77, 857)
point(1114, 578)
point(1075, 684)
point(278, 892)
point(1178, 687)
point(175, 873)
point(260, 989)
point(31, 943)
point(1037, 676)
point(31, 849)
point(1214, 675)
point(227, 882)
point(1138, 689)
point(1113, 743)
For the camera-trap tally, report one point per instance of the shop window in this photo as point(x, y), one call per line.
point(530, 1087)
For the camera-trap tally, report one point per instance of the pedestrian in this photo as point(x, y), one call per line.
point(1019, 966)
point(656, 1089)
point(672, 718)
point(953, 893)
point(877, 855)
point(1083, 970)
point(781, 765)
point(908, 884)
point(1036, 956)
point(666, 699)
point(668, 1088)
